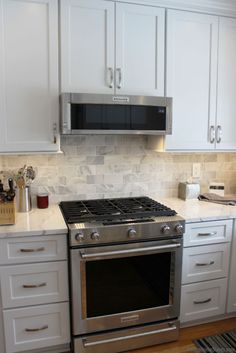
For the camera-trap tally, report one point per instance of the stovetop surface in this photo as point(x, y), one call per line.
point(111, 209)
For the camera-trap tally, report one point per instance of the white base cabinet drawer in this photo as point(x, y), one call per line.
point(33, 249)
point(33, 284)
point(36, 327)
point(205, 262)
point(202, 300)
point(204, 233)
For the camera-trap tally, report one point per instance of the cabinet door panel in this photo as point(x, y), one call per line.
point(191, 78)
point(28, 75)
point(87, 46)
point(226, 101)
point(140, 33)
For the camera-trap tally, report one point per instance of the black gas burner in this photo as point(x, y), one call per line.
point(111, 209)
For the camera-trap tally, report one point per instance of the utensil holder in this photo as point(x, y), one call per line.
point(23, 199)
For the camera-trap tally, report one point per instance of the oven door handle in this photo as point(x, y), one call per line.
point(115, 339)
point(120, 253)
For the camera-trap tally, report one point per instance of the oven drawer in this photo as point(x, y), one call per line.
point(40, 283)
point(33, 249)
point(208, 232)
point(205, 262)
point(36, 327)
point(132, 338)
point(203, 300)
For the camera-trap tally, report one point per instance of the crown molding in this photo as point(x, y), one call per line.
point(216, 7)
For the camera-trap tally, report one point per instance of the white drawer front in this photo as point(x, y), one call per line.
point(205, 262)
point(202, 300)
point(33, 249)
point(32, 284)
point(208, 232)
point(36, 327)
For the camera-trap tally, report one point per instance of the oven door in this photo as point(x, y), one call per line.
point(124, 285)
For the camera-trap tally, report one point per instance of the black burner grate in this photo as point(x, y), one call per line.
point(110, 209)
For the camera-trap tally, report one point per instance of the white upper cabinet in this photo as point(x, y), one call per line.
point(87, 46)
point(28, 75)
point(226, 101)
point(112, 48)
point(201, 78)
point(191, 78)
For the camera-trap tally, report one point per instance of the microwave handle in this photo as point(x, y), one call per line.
point(128, 252)
point(65, 113)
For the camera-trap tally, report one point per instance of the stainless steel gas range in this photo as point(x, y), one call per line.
point(125, 273)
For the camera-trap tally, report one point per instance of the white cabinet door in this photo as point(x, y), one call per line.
point(231, 303)
point(28, 75)
point(226, 101)
point(87, 46)
point(191, 78)
point(140, 37)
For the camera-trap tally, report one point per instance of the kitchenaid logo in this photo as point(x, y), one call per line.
point(128, 319)
point(120, 99)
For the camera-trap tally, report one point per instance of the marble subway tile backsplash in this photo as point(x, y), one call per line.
point(116, 166)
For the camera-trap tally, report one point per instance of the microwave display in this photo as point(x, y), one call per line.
point(117, 117)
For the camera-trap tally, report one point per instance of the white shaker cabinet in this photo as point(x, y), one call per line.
point(201, 78)
point(226, 99)
point(29, 76)
point(191, 78)
point(114, 48)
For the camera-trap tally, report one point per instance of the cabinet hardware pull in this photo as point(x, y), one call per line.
point(218, 134)
point(54, 133)
point(202, 301)
point(205, 264)
point(110, 70)
point(206, 234)
point(212, 134)
point(119, 85)
point(36, 329)
point(32, 250)
point(34, 285)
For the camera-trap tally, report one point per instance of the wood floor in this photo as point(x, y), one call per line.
point(184, 344)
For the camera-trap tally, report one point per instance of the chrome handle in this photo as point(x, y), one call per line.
point(116, 339)
point(202, 301)
point(147, 250)
point(206, 234)
point(119, 85)
point(36, 329)
point(34, 285)
point(32, 250)
point(218, 134)
point(212, 134)
point(54, 133)
point(111, 76)
point(205, 264)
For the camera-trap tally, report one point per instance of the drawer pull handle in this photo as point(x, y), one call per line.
point(205, 263)
point(202, 301)
point(36, 329)
point(32, 250)
point(206, 234)
point(34, 285)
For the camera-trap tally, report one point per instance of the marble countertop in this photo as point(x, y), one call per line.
point(36, 222)
point(50, 220)
point(194, 210)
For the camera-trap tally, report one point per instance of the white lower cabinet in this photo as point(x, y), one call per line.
point(34, 292)
point(206, 257)
point(231, 303)
point(36, 327)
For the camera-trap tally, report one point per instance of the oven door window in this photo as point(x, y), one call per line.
point(127, 284)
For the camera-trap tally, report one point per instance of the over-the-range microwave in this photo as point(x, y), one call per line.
point(83, 113)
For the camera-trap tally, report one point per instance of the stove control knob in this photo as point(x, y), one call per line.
point(131, 233)
point(179, 228)
point(165, 229)
point(79, 236)
point(95, 236)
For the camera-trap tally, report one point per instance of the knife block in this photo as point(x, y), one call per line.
point(7, 213)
